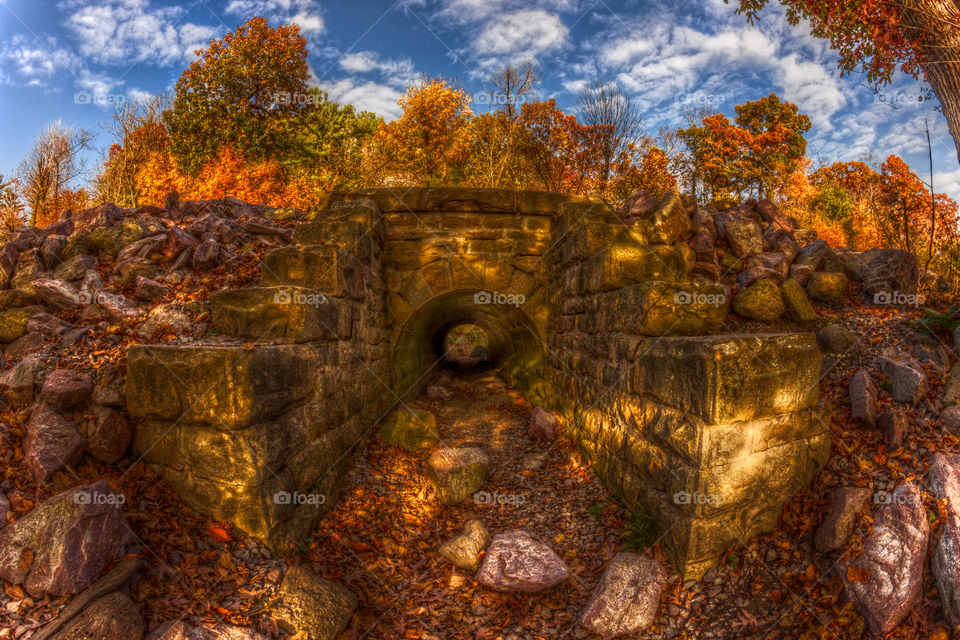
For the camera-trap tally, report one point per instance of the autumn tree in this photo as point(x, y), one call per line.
point(921, 37)
point(52, 165)
point(641, 171)
point(618, 121)
point(511, 85)
point(138, 133)
point(11, 208)
point(776, 143)
point(239, 93)
point(430, 143)
point(560, 152)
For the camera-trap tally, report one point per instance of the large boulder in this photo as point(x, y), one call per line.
point(65, 543)
point(626, 600)
point(667, 223)
point(309, 605)
point(463, 550)
point(410, 428)
point(846, 503)
point(886, 580)
point(888, 271)
point(456, 473)
point(17, 382)
point(761, 301)
point(516, 562)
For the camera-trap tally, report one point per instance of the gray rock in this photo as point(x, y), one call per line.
point(165, 318)
point(16, 383)
point(909, 383)
point(892, 561)
point(893, 425)
point(463, 550)
point(951, 390)
point(889, 271)
point(543, 424)
point(951, 419)
point(626, 600)
point(846, 503)
point(515, 562)
point(75, 268)
point(149, 290)
point(801, 273)
point(946, 569)
point(66, 388)
point(863, 399)
point(58, 294)
point(744, 235)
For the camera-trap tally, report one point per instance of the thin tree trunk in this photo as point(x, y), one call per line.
point(936, 25)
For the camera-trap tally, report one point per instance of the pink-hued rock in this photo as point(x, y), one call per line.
point(893, 557)
point(176, 241)
point(16, 384)
point(908, 380)
point(110, 437)
point(863, 399)
point(113, 616)
point(893, 425)
point(543, 424)
point(515, 562)
point(56, 293)
point(837, 525)
point(65, 543)
point(627, 598)
point(50, 444)
point(944, 479)
point(950, 417)
point(66, 388)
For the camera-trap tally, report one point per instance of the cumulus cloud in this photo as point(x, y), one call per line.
point(34, 62)
point(130, 31)
point(367, 96)
point(303, 13)
point(398, 72)
point(521, 34)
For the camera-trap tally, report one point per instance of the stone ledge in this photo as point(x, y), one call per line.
point(224, 387)
point(293, 314)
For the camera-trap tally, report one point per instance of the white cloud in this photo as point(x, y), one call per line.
point(34, 62)
point(129, 31)
point(396, 72)
point(368, 96)
point(521, 34)
point(303, 13)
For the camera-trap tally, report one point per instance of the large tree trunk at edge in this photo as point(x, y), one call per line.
point(936, 25)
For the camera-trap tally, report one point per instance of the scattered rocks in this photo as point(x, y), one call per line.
point(946, 568)
point(457, 473)
point(760, 301)
point(149, 290)
point(16, 384)
point(56, 293)
point(863, 399)
point(846, 503)
point(515, 562)
point(543, 424)
point(463, 550)
point(309, 605)
point(439, 392)
point(410, 428)
point(626, 600)
point(64, 543)
point(890, 566)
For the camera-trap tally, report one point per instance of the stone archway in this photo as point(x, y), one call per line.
point(515, 346)
point(708, 433)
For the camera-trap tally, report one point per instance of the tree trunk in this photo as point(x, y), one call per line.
point(936, 26)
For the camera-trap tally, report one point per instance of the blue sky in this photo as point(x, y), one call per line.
point(72, 59)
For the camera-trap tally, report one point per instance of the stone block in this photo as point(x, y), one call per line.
point(293, 314)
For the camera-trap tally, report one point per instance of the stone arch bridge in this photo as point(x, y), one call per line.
point(588, 314)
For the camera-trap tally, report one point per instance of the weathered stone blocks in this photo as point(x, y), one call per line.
point(293, 314)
